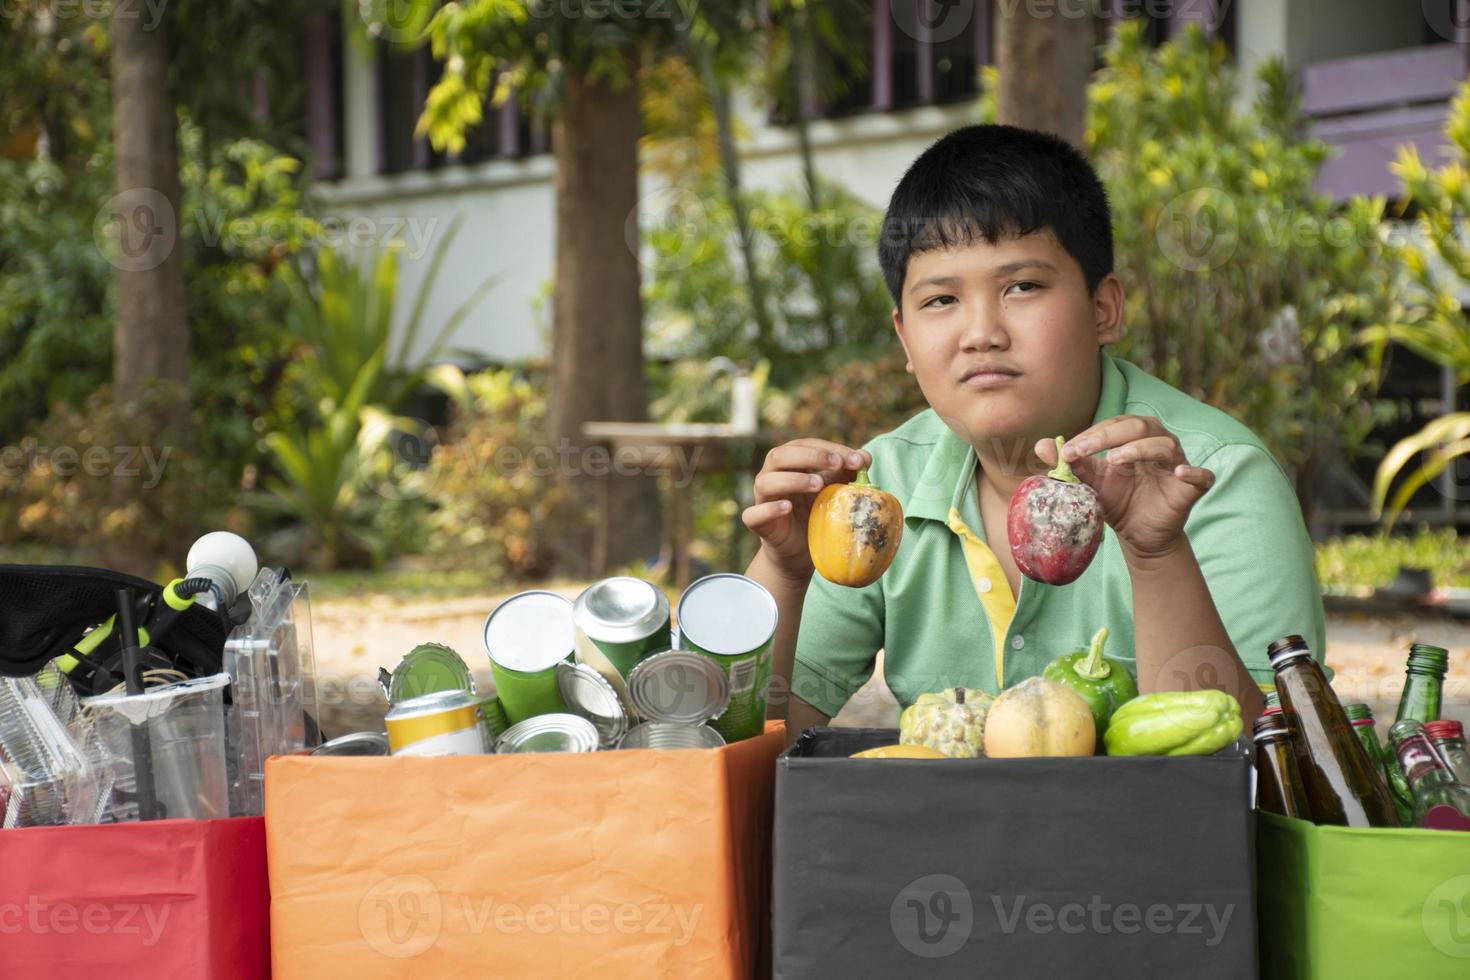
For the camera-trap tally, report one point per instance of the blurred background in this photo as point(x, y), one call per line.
point(431, 302)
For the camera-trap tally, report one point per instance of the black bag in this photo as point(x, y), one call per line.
point(1077, 867)
point(46, 609)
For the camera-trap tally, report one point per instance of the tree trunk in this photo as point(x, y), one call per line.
point(150, 361)
point(597, 368)
point(1044, 63)
point(804, 96)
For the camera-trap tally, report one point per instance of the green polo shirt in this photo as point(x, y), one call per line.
point(943, 613)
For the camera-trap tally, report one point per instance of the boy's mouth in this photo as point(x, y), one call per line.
point(988, 375)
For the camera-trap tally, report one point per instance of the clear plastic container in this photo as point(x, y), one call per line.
point(182, 729)
point(274, 710)
point(54, 769)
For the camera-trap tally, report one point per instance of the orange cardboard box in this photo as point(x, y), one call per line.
point(613, 864)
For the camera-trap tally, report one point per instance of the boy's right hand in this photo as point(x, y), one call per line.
point(785, 488)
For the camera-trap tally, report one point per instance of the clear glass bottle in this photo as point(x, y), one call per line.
point(1440, 803)
point(1342, 784)
point(1448, 739)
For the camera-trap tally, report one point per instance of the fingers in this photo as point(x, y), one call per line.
point(766, 519)
point(1153, 449)
point(1196, 476)
point(782, 484)
point(816, 455)
point(1112, 433)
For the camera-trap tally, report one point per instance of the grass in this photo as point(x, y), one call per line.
point(1374, 560)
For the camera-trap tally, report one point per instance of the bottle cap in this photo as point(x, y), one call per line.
point(1440, 730)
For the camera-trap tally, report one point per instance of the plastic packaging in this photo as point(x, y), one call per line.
point(185, 724)
point(53, 768)
point(273, 671)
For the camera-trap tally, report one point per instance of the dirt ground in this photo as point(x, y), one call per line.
point(354, 637)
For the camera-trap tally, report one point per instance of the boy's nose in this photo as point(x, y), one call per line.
point(985, 331)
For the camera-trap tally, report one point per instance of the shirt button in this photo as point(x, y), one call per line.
point(983, 585)
point(1017, 642)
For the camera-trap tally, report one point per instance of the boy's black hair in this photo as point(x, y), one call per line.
point(993, 182)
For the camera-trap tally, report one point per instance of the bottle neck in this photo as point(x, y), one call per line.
point(1421, 697)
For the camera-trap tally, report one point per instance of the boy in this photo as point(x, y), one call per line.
point(997, 249)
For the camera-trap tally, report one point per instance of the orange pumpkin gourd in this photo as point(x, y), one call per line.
point(853, 532)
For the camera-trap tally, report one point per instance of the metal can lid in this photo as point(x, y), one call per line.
point(621, 609)
point(530, 631)
point(549, 733)
point(355, 743)
point(431, 704)
point(727, 614)
point(679, 686)
point(670, 735)
point(587, 693)
point(427, 668)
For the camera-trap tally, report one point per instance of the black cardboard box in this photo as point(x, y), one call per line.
point(1138, 868)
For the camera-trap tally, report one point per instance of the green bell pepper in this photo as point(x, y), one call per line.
point(1103, 683)
point(1174, 723)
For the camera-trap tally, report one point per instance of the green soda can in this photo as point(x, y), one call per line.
point(731, 620)
point(526, 637)
point(619, 621)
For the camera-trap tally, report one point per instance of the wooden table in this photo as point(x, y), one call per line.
point(659, 449)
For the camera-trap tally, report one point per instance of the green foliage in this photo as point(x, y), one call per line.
point(501, 498)
point(334, 457)
point(1245, 288)
point(1435, 326)
point(699, 307)
point(1375, 560)
point(856, 401)
point(56, 486)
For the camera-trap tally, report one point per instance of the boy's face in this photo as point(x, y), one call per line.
point(1003, 338)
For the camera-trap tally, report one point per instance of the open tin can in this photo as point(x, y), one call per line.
point(667, 735)
point(731, 621)
point(588, 693)
point(526, 637)
point(443, 723)
point(550, 733)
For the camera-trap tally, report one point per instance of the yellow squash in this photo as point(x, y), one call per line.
point(900, 752)
point(853, 532)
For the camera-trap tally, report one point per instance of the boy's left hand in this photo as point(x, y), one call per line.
point(1144, 483)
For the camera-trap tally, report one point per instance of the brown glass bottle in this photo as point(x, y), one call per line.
point(1336, 774)
point(1278, 782)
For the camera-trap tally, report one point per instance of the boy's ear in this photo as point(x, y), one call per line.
point(898, 329)
point(1107, 303)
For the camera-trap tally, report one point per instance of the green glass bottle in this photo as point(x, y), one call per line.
point(1423, 692)
point(1440, 803)
point(1360, 716)
point(1448, 739)
point(1341, 782)
point(1278, 781)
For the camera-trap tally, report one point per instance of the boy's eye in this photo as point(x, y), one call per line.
point(1024, 287)
point(945, 300)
